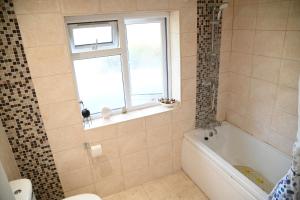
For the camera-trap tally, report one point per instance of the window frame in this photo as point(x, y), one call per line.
point(122, 50)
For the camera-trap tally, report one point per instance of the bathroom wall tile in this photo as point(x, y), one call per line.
point(188, 67)
point(106, 168)
point(136, 125)
point(287, 100)
point(241, 63)
point(160, 154)
point(294, 15)
point(118, 5)
point(281, 142)
point(238, 103)
point(71, 7)
point(178, 129)
point(262, 91)
point(158, 120)
point(159, 135)
point(240, 84)
point(260, 111)
point(285, 124)
point(76, 179)
point(152, 5)
point(188, 88)
point(185, 112)
point(66, 137)
point(242, 41)
point(36, 6)
point(37, 31)
point(100, 134)
point(227, 18)
point(188, 18)
point(292, 45)
point(137, 177)
point(226, 37)
point(132, 142)
point(224, 82)
point(162, 169)
point(179, 4)
point(71, 159)
point(223, 99)
point(245, 2)
point(245, 16)
point(60, 114)
point(236, 119)
point(274, 41)
point(266, 68)
point(48, 60)
point(225, 62)
point(273, 15)
point(110, 185)
point(54, 89)
point(188, 46)
point(289, 73)
point(134, 161)
point(82, 190)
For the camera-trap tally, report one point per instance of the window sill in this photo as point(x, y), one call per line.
point(100, 122)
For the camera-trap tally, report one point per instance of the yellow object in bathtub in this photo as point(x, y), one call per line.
point(256, 177)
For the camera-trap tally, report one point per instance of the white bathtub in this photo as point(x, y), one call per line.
point(210, 163)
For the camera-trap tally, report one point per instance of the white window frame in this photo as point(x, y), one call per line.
point(122, 50)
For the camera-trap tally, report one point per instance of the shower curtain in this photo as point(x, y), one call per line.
point(288, 188)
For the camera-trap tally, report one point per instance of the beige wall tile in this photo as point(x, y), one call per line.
point(132, 142)
point(82, 190)
point(188, 88)
point(281, 142)
point(274, 41)
point(224, 62)
point(285, 124)
point(106, 168)
point(135, 161)
point(188, 18)
point(226, 38)
point(66, 137)
point(128, 127)
point(273, 15)
point(152, 5)
point(159, 135)
point(294, 16)
point(238, 103)
point(100, 134)
point(241, 63)
point(76, 179)
point(118, 5)
point(289, 73)
point(266, 68)
point(188, 46)
point(185, 112)
point(35, 6)
point(224, 82)
point(160, 154)
point(242, 41)
point(158, 120)
point(292, 45)
point(61, 114)
point(188, 67)
point(48, 60)
point(287, 100)
point(54, 89)
point(245, 16)
point(110, 185)
point(110, 150)
point(37, 31)
point(240, 84)
point(259, 111)
point(72, 159)
point(262, 91)
point(71, 7)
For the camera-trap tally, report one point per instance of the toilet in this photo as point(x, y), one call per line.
point(22, 189)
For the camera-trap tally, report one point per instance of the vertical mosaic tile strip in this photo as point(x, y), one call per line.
point(206, 95)
point(19, 111)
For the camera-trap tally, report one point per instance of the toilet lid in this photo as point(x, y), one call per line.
point(84, 197)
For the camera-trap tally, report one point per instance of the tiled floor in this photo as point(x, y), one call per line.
point(173, 187)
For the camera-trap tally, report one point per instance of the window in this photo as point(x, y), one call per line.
point(120, 63)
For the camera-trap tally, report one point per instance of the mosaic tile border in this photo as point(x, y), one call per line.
point(19, 111)
point(205, 115)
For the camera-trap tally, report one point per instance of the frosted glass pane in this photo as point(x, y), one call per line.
point(99, 82)
point(145, 62)
point(89, 35)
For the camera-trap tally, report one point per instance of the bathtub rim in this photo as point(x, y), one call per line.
point(224, 165)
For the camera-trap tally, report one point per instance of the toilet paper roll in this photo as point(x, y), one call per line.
point(96, 150)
